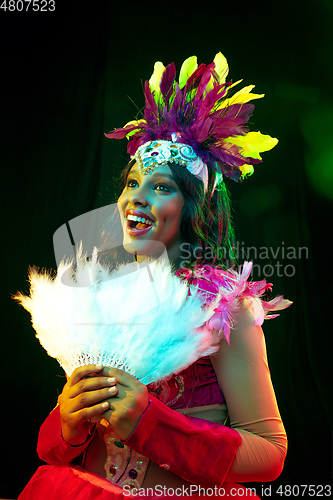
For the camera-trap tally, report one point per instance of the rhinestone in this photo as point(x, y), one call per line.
point(112, 470)
point(133, 474)
point(119, 444)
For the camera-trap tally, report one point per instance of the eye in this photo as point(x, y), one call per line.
point(131, 183)
point(164, 187)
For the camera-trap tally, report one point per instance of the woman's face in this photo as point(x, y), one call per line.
point(156, 199)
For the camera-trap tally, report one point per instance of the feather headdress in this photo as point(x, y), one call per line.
point(200, 111)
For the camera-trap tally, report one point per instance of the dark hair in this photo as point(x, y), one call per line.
point(206, 223)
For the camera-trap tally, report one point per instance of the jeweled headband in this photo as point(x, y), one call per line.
point(197, 123)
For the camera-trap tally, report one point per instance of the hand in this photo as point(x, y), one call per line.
point(83, 397)
point(127, 405)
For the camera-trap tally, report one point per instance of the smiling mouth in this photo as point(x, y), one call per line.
point(133, 224)
point(138, 225)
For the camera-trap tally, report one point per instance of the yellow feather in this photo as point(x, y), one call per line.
point(221, 67)
point(253, 143)
point(222, 70)
point(234, 84)
point(134, 122)
point(188, 68)
point(242, 96)
point(246, 170)
point(155, 78)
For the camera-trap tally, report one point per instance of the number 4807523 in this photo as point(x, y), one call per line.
point(28, 5)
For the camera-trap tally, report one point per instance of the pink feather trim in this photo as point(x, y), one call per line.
point(228, 290)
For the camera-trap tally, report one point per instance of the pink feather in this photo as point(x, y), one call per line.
point(229, 289)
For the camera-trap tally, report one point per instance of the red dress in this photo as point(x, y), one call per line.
point(193, 388)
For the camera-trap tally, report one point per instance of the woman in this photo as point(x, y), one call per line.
point(172, 435)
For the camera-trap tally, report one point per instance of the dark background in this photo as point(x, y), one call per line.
point(65, 79)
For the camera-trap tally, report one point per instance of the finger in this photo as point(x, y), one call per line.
point(119, 397)
point(121, 376)
point(91, 384)
point(92, 411)
point(107, 414)
point(83, 372)
point(90, 398)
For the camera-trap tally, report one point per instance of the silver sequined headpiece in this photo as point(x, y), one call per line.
point(154, 153)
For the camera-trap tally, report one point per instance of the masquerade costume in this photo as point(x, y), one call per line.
point(199, 125)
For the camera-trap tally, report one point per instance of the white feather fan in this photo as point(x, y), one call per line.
point(138, 318)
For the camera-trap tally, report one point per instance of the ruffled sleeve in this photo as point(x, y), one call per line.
point(226, 291)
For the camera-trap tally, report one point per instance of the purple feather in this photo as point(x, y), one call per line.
point(151, 109)
point(120, 133)
point(195, 78)
point(167, 81)
point(204, 82)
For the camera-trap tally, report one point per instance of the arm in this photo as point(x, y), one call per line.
point(196, 450)
point(66, 432)
point(51, 446)
point(244, 378)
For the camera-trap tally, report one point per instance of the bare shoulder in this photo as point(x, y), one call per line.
point(247, 340)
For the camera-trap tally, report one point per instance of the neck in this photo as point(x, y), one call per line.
point(173, 253)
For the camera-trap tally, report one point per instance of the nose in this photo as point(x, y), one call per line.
point(138, 198)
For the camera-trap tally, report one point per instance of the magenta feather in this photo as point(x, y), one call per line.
point(151, 109)
point(205, 79)
point(194, 80)
point(120, 133)
point(167, 82)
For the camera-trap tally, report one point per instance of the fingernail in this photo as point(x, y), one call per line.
point(112, 389)
point(99, 366)
point(105, 405)
point(111, 380)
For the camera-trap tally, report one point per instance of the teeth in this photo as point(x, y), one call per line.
point(139, 219)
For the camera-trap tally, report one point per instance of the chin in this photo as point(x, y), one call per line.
point(150, 248)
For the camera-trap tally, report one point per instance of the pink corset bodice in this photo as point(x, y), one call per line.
point(195, 386)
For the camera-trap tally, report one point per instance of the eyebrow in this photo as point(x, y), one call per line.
point(169, 176)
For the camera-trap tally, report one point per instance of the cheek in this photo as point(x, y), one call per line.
point(122, 204)
point(172, 213)
point(122, 200)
